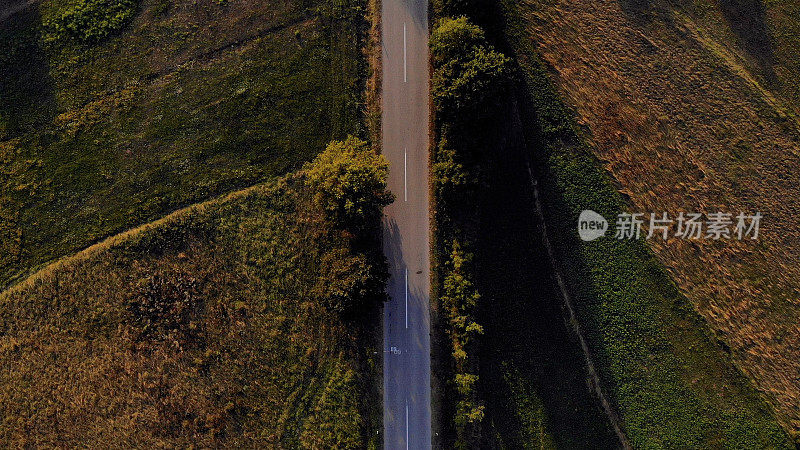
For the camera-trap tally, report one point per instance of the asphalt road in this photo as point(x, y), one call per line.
point(406, 319)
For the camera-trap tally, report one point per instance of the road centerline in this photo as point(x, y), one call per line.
point(405, 59)
point(406, 424)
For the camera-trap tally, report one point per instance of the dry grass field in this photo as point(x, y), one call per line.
point(693, 106)
point(207, 328)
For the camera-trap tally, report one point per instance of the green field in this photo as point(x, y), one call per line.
point(186, 100)
point(535, 378)
point(219, 325)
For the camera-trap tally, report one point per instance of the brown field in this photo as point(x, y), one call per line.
point(206, 328)
point(690, 110)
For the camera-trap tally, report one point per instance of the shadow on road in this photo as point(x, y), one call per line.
point(392, 243)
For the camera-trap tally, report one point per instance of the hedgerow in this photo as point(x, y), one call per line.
point(469, 76)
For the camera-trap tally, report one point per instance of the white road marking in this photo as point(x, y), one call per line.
point(405, 174)
point(406, 424)
point(405, 65)
point(406, 297)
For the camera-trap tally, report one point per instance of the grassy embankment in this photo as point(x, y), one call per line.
point(672, 383)
point(174, 103)
point(244, 321)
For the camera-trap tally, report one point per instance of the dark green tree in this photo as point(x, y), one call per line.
point(348, 180)
point(469, 74)
point(454, 39)
point(470, 8)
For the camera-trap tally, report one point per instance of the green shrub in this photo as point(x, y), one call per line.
point(349, 181)
point(469, 75)
point(468, 412)
point(459, 296)
point(454, 39)
point(351, 281)
point(91, 21)
point(449, 174)
point(460, 299)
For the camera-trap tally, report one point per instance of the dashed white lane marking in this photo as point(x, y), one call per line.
point(406, 424)
point(406, 298)
point(405, 65)
point(405, 174)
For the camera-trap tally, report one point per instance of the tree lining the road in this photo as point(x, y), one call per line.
point(468, 79)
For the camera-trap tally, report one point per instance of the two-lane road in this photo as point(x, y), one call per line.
point(406, 321)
